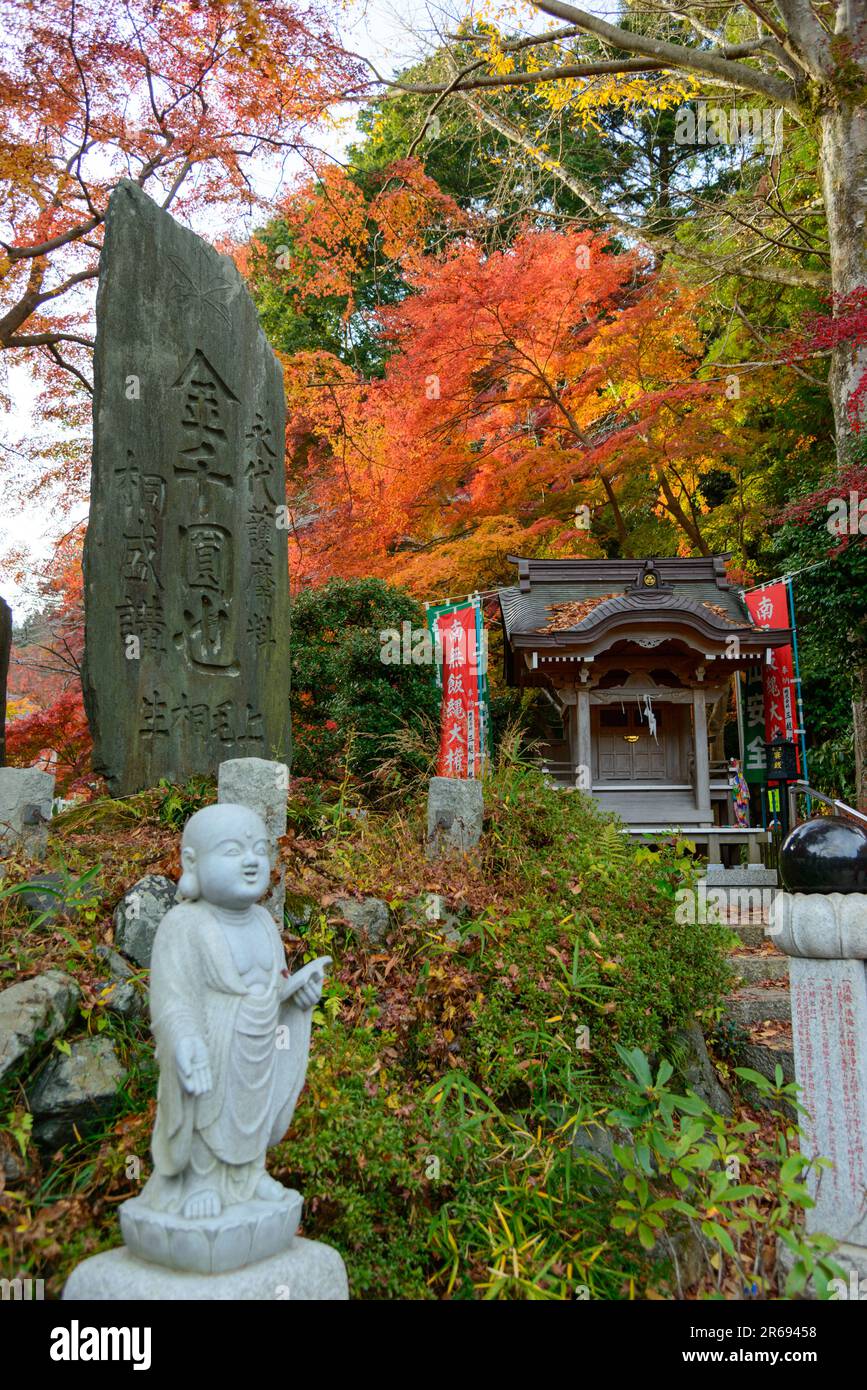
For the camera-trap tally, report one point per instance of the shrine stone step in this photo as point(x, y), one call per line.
point(740, 895)
point(753, 966)
point(753, 1004)
point(764, 1055)
point(761, 1007)
point(749, 933)
point(741, 876)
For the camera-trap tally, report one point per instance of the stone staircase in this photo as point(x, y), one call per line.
point(760, 1006)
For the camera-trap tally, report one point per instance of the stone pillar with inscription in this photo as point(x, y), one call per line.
point(825, 935)
point(185, 563)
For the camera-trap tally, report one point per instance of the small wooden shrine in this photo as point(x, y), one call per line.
point(638, 659)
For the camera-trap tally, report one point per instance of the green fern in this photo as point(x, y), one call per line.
point(612, 846)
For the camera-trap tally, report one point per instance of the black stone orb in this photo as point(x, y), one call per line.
point(825, 855)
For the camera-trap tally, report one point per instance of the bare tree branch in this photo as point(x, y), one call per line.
point(721, 265)
point(465, 83)
point(46, 339)
point(69, 367)
point(676, 55)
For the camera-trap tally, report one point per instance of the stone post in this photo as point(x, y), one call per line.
point(263, 787)
point(455, 810)
point(26, 795)
point(186, 566)
point(825, 936)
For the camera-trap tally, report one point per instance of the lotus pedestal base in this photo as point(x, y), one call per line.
point(306, 1271)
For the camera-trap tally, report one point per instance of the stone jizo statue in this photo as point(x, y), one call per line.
point(232, 1029)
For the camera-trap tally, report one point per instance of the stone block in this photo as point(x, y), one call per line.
point(369, 916)
point(742, 876)
point(753, 968)
point(76, 1092)
point(26, 794)
point(829, 1028)
point(185, 559)
point(756, 1005)
point(262, 787)
point(121, 992)
point(54, 895)
point(455, 812)
point(306, 1272)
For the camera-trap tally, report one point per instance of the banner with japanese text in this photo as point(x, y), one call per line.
point(753, 714)
point(458, 632)
point(769, 608)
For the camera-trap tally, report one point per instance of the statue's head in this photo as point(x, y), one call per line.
point(225, 857)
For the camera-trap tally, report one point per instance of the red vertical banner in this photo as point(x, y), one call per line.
point(769, 608)
point(461, 736)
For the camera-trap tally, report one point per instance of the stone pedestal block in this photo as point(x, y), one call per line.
point(455, 811)
point(306, 1272)
point(829, 1029)
point(26, 794)
point(242, 1234)
point(262, 787)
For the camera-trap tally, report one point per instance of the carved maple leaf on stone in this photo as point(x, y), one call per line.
point(203, 288)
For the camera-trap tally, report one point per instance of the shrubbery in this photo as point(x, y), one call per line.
point(347, 705)
point(455, 1064)
point(459, 1064)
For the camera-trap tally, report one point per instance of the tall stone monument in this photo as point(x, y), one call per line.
point(185, 561)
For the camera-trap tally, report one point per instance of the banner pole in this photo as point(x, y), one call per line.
point(791, 594)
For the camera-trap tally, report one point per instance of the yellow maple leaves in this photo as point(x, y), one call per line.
point(585, 97)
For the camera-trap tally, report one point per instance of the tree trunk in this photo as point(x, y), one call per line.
point(859, 725)
point(615, 507)
point(679, 516)
point(844, 180)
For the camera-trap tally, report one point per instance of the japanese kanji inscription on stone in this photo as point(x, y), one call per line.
point(186, 572)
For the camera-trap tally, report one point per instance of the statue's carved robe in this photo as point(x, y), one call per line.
point(219, 1140)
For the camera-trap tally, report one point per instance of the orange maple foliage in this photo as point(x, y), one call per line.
point(61, 730)
point(327, 217)
point(178, 97)
point(331, 222)
point(522, 383)
point(46, 713)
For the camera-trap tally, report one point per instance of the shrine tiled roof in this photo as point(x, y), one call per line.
point(554, 598)
point(565, 615)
